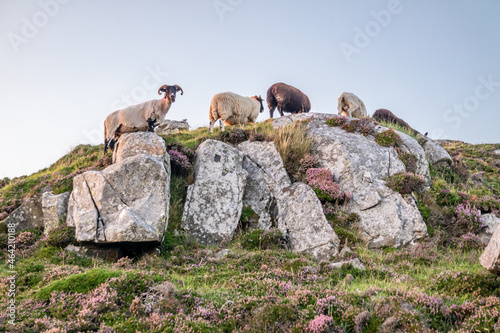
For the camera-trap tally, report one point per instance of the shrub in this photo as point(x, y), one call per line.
point(321, 181)
point(234, 135)
point(388, 138)
point(179, 162)
point(451, 198)
point(405, 182)
point(336, 121)
point(471, 216)
point(408, 159)
point(306, 163)
point(351, 126)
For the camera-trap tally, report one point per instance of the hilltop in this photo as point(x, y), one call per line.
point(255, 283)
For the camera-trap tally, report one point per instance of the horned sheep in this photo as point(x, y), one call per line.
point(350, 105)
point(287, 99)
point(232, 109)
point(141, 117)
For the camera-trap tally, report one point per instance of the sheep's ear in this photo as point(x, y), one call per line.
point(162, 89)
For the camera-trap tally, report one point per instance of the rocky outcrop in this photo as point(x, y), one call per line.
point(55, 208)
point(435, 154)
point(28, 215)
point(214, 201)
point(359, 166)
point(294, 209)
point(132, 144)
point(172, 127)
point(129, 200)
point(490, 259)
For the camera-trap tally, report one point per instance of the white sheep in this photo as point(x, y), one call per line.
point(233, 109)
point(141, 117)
point(351, 106)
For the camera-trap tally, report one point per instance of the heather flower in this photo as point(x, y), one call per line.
point(471, 214)
point(319, 323)
point(336, 121)
point(180, 162)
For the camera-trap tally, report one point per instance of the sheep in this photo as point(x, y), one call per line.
point(287, 99)
point(141, 117)
point(351, 106)
point(233, 109)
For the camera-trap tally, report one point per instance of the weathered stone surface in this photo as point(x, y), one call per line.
point(294, 209)
point(55, 208)
point(126, 202)
point(303, 221)
point(289, 119)
point(258, 196)
point(28, 215)
point(172, 127)
point(491, 222)
point(359, 166)
point(136, 143)
point(214, 202)
point(496, 152)
point(436, 154)
point(268, 159)
point(355, 263)
point(490, 259)
point(410, 145)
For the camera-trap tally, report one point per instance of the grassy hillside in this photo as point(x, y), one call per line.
point(438, 286)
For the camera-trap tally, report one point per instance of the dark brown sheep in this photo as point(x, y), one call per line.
point(287, 99)
point(388, 116)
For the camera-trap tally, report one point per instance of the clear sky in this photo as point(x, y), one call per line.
point(66, 64)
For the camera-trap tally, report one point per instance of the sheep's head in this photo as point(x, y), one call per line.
point(260, 99)
point(170, 91)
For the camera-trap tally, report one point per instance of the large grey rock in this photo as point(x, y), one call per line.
point(490, 259)
point(126, 202)
point(267, 157)
point(214, 201)
point(55, 208)
point(359, 166)
point(303, 221)
point(491, 222)
point(172, 127)
point(436, 154)
point(289, 119)
point(28, 215)
point(295, 209)
point(258, 196)
point(136, 143)
point(410, 145)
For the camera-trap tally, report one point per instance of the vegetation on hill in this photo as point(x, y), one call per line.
point(437, 286)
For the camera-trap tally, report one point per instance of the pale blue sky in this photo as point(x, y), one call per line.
point(65, 65)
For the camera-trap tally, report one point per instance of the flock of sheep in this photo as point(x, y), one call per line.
point(229, 108)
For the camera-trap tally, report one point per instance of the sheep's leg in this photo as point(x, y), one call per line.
point(280, 109)
point(151, 124)
point(222, 124)
point(271, 112)
point(212, 123)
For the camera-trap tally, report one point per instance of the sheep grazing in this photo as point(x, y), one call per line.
point(287, 99)
point(388, 116)
point(351, 106)
point(233, 109)
point(141, 117)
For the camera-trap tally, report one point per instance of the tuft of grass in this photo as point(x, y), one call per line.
point(409, 131)
point(388, 138)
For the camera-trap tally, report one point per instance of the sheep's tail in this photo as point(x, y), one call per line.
point(272, 103)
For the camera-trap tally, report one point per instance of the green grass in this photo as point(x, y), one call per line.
point(399, 128)
point(78, 283)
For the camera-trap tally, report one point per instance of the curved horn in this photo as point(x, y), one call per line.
point(179, 88)
point(162, 89)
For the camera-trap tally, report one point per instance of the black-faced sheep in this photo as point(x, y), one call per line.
point(287, 99)
point(233, 109)
point(141, 117)
point(351, 106)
